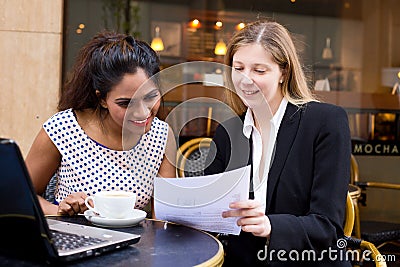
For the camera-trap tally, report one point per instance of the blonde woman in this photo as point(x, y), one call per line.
point(299, 150)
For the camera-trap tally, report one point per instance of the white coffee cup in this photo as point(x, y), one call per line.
point(112, 204)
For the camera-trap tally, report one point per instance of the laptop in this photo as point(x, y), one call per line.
point(26, 232)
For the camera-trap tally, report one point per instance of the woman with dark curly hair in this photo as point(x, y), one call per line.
point(106, 135)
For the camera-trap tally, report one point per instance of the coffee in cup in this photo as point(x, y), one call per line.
point(112, 204)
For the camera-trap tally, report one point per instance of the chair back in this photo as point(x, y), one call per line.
point(354, 171)
point(356, 243)
point(49, 193)
point(350, 216)
point(191, 157)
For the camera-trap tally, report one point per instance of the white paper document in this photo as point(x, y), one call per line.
point(199, 201)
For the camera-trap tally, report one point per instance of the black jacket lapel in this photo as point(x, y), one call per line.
point(284, 140)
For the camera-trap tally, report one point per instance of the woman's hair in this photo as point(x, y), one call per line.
point(100, 65)
point(275, 39)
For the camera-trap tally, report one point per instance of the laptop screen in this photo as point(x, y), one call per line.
point(22, 227)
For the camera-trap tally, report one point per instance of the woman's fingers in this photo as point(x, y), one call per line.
point(246, 204)
point(258, 226)
point(73, 204)
point(243, 213)
point(250, 220)
point(252, 217)
point(244, 208)
point(65, 209)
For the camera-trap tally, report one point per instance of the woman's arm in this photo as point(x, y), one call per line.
point(321, 222)
point(230, 149)
point(218, 154)
point(42, 162)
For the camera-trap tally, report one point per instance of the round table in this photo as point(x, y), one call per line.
point(161, 244)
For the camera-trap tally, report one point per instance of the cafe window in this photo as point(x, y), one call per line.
point(348, 47)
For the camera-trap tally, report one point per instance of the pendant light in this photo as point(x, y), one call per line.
point(220, 48)
point(157, 43)
point(327, 52)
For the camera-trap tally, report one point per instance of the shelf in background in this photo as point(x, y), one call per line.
point(361, 102)
point(195, 90)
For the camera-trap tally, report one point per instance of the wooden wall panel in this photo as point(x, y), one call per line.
point(31, 15)
point(30, 66)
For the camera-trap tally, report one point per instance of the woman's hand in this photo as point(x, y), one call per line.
point(72, 204)
point(252, 217)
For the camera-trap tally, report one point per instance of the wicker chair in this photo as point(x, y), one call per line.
point(354, 243)
point(191, 157)
point(49, 193)
point(377, 232)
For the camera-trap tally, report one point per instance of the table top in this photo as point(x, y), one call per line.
point(161, 244)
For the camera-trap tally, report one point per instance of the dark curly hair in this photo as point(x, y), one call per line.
point(100, 65)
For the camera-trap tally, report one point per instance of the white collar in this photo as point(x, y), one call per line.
point(276, 120)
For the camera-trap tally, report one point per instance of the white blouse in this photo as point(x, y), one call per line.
point(249, 129)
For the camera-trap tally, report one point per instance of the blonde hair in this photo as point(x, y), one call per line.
point(275, 39)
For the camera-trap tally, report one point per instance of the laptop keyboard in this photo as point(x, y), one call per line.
point(67, 241)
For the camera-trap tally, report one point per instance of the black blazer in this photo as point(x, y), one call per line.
point(307, 183)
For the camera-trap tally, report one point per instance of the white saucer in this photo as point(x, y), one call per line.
point(134, 218)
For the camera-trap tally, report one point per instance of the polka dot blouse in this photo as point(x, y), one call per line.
point(89, 167)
